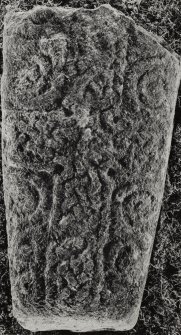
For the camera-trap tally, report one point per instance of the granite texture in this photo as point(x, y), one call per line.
point(88, 103)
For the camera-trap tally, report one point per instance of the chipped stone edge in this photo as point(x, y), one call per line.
point(14, 12)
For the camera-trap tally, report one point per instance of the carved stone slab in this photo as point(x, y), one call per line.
point(88, 108)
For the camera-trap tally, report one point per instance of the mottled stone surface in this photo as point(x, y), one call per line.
point(88, 107)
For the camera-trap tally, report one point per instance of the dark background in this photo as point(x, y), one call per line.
point(160, 312)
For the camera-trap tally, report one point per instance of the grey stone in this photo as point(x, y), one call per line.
point(88, 105)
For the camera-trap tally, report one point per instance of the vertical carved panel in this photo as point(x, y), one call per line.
point(88, 107)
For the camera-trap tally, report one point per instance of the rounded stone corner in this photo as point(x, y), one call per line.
point(129, 321)
point(27, 322)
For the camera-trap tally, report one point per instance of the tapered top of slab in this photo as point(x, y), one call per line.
point(44, 14)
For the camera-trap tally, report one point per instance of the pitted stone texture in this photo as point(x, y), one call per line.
point(88, 107)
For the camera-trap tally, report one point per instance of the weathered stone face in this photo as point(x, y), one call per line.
point(88, 107)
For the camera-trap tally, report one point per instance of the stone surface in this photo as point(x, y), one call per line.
point(88, 105)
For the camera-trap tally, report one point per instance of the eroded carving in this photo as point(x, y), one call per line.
point(87, 123)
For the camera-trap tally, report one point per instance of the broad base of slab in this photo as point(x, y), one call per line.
point(75, 324)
